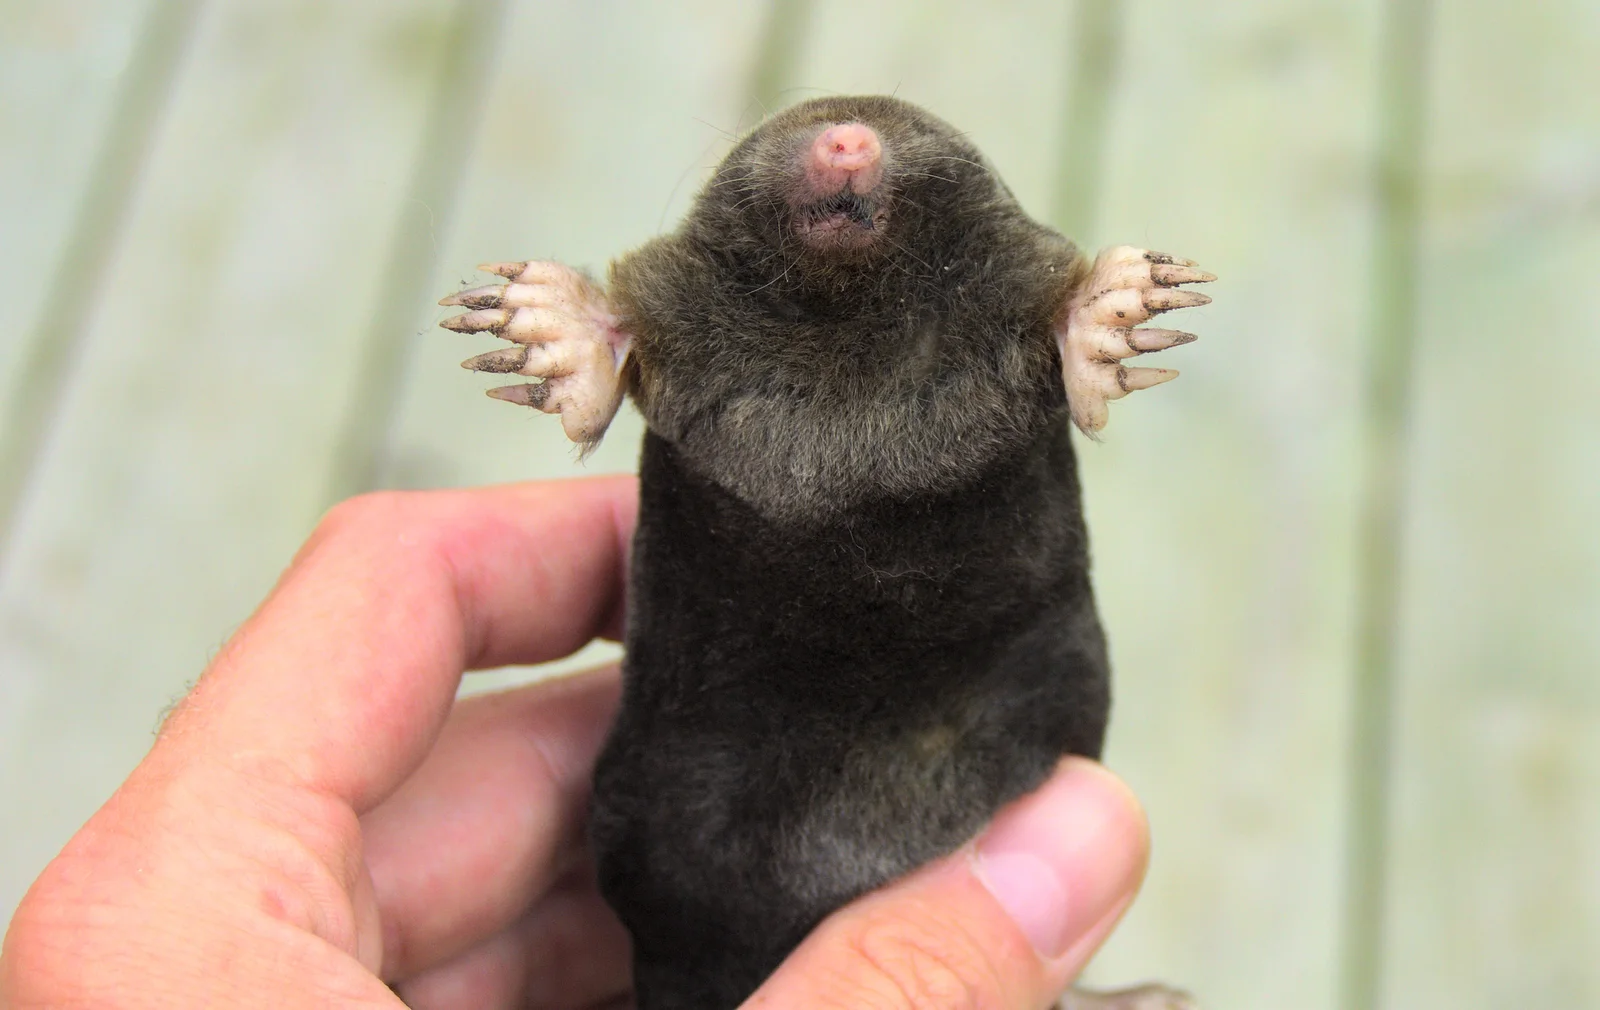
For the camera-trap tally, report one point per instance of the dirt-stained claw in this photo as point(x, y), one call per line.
point(477, 321)
point(510, 271)
point(505, 296)
point(1165, 299)
point(1143, 378)
point(1151, 256)
point(488, 297)
point(507, 359)
point(1168, 274)
point(531, 395)
point(1151, 339)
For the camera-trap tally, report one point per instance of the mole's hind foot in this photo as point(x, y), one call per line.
point(562, 330)
point(1144, 997)
point(1126, 287)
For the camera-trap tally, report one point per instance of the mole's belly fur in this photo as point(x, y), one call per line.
point(809, 714)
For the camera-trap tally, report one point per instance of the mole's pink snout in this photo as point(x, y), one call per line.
point(850, 146)
point(845, 154)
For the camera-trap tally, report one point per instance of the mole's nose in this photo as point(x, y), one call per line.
point(847, 153)
point(850, 146)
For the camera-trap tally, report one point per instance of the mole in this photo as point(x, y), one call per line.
point(859, 615)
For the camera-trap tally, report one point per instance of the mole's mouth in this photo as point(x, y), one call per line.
point(854, 207)
point(844, 220)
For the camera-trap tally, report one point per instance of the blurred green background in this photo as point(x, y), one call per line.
point(1349, 562)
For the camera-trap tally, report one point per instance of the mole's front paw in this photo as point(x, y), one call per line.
point(1144, 997)
point(1126, 287)
point(563, 331)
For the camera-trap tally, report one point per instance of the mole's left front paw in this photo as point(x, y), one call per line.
point(1126, 287)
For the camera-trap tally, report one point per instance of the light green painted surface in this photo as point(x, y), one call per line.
point(1239, 135)
point(255, 344)
point(83, 83)
point(62, 67)
point(1495, 867)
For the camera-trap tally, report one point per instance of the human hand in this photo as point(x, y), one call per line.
point(317, 817)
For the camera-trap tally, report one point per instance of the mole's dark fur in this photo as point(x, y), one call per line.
point(860, 617)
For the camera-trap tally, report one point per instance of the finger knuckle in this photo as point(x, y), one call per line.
point(928, 963)
point(365, 511)
point(371, 520)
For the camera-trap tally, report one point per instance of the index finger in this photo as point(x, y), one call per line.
point(345, 674)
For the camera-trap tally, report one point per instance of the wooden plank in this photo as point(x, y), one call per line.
point(1386, 402)
point(1220, 505)
point(593, 138)
point(81, 84)
point(191, 454)
point(1494, 895)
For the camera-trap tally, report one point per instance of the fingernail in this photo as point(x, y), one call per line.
point(1061, 859)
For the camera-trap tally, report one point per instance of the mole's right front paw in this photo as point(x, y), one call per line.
point(563, 331)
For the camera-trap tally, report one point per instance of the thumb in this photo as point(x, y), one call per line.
point(1008, 921)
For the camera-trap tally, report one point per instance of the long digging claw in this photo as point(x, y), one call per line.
point(477, 320)
point(531, 395)
point(1159, 257)
point(1170, 274)
point(488, 297)
point(1152, 339)
point(1165, 299)
point(507, 359)
point(1131, 379)
point(510, 271)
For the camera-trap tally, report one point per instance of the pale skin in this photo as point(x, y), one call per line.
point(318, 819)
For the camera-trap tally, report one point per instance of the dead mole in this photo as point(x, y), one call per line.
point(859, 617)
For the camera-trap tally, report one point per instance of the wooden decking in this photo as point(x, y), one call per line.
point(1349, 561)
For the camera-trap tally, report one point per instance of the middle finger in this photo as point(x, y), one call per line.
point(489, 821)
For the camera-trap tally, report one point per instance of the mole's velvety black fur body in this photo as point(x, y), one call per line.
point(860, 616)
